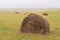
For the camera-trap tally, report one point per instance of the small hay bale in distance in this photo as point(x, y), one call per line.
point(34, 23)
point(16, 12)
point(46, 14)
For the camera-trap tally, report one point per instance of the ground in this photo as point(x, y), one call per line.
point(10, 26)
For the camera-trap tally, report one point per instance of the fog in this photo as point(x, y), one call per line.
point(29, 3)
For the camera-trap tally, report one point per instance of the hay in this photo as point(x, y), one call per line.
point(16, 12)
point(45, 14)
point(34, 23)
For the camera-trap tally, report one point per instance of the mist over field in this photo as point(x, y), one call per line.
point(25, 10)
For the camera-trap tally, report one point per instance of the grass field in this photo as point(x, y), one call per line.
point(10, 27)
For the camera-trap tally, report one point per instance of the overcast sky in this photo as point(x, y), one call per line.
point(29, 3)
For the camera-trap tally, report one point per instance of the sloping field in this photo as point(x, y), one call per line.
point(10, 27)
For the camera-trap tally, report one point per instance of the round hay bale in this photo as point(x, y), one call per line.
point(34, 23)
point(16, 12)
point(45, 14)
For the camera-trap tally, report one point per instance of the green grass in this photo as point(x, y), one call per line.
point(10, 27)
